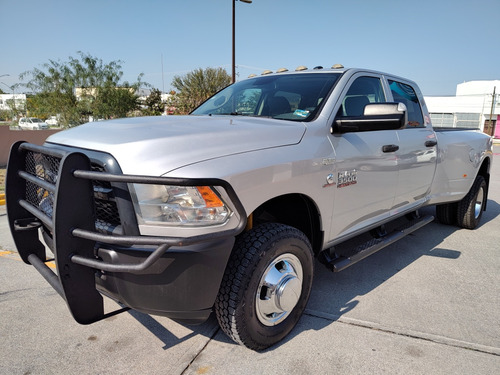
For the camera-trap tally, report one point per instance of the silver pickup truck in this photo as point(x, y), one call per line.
point(226, 209)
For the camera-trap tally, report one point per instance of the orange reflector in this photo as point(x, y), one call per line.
point(211, 199)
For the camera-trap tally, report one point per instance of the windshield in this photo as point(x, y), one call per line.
point(295, 97)
point(33, 119)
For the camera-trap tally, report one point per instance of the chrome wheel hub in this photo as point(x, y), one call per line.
point(279, 289)
point(479, 203)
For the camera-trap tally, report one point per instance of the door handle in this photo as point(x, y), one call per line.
point(431, 143)
point(390, 148)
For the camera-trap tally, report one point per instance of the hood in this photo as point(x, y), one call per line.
point(157, 145)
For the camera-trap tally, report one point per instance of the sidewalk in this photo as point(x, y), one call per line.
point(6, 242)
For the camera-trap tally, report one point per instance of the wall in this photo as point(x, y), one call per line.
point(8, 137)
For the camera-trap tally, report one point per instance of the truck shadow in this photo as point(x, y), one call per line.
point(154, 325)
point(335, 294)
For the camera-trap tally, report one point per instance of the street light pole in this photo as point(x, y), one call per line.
point(233, 77)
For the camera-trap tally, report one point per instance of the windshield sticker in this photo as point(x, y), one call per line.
point(301, 113)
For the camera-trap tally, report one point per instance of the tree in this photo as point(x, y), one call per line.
point(154, 104)
point(197, 86)
point(100, 94)
point(114, 102)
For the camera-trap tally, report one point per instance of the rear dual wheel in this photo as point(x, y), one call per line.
point(471, 207)
point(466, 213)
point(266, 285)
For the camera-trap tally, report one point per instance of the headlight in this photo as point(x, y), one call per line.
point(179, 205)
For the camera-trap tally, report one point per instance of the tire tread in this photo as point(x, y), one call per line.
point(241, 266)
point(466, 207)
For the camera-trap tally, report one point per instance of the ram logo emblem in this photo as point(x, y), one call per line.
point(347, 178)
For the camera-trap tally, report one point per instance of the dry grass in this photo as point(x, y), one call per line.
point(2, 180)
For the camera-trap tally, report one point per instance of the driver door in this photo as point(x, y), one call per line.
point(366, 171)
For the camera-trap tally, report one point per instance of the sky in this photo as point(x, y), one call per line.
point(437, 43)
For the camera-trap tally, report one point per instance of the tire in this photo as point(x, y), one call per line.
point(447, 213)
point(266, 285)
point(470, 208)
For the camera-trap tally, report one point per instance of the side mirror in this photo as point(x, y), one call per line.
point(376, 116)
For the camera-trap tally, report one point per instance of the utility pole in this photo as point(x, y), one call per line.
point(491, 112)
point(233, 63)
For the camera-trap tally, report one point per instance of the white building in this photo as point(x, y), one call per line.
point(7, 101)
point(472, 107)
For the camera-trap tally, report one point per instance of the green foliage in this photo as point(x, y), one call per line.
point(154, 104)
point(5, 115)
point(114, 102)
point(197, 86)
point(79, 88)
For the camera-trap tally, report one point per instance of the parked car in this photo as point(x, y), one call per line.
point(32, 123)
point(52, 121)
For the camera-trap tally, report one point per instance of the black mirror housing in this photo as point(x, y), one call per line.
point(376, 116)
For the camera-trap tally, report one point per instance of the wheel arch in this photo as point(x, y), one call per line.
point(484, 171)
point(296, 210)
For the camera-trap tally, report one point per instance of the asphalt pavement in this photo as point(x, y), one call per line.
point(428, 304)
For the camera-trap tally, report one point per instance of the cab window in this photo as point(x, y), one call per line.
point(405, 94)
point(363, 91)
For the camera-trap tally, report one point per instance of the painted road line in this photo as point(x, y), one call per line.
point(3, 253)
point(15, 256)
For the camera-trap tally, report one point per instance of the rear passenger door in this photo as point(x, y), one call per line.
point(417, 149)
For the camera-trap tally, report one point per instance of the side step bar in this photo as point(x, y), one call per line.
point(370, 247)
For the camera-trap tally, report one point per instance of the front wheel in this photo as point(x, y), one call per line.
point(266, 285)
point(471, 207)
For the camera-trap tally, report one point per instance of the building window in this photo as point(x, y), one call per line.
point(467, 120)
point(456, 120)
point(442, 120)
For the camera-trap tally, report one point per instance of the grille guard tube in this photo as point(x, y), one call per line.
point(72, 223)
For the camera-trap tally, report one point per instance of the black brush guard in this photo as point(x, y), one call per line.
point(63, 205)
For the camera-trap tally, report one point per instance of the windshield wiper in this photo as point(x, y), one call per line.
point(231, 114)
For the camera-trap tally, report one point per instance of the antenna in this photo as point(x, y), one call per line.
point(162, 76)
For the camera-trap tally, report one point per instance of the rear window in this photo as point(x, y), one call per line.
point(405, 94)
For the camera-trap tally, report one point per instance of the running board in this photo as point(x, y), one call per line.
point(376, 244)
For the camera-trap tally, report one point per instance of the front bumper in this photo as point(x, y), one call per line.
point(174, 277)
point(182, 284)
